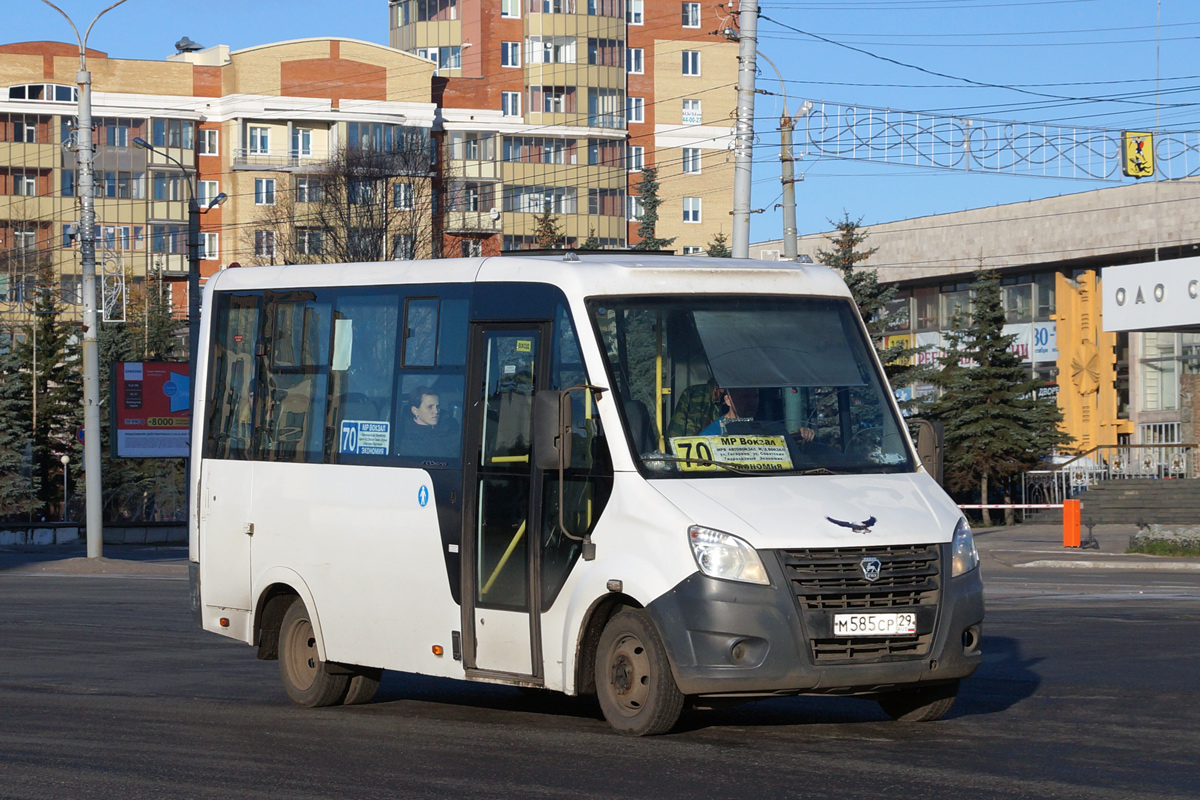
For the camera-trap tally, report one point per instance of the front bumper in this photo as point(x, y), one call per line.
point(730, 638)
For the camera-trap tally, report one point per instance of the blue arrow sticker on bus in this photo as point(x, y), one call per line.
point(362, 438)
point(423, 495)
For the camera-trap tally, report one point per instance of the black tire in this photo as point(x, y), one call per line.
point(920, 704)
point(302, 670)
point(363, 685)
point(634, 684)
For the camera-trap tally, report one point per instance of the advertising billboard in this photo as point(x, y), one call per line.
point(151, 413)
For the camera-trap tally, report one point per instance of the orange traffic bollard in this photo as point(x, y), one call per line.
point(1071, 523)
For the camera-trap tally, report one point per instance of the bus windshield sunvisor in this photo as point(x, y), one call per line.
point(780, 347)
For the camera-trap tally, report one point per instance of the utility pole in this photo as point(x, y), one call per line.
point(93, 487)
point(744, 132)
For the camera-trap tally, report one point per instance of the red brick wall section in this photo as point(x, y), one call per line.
point(206, 81)
point(50, 49)
point(333, 78)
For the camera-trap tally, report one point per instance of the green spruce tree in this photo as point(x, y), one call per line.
point(546, 232)
point(719, 246)
point(19, 483)
point(996, 425)
point(591, 242)
point(873, 298)
point(51, 353)
point(648, 221)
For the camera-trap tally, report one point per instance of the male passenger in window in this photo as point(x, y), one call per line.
point(423, 435)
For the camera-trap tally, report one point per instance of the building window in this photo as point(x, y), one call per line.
point(691, 19)
point(510, 9)
point(210, 246)
point(605, 202)
point(635, 61)
point(691, 249)
point(956, 304)
point(550, 49)
point(402, 196)
point(510, 54)
point(264, 191)
point(264, 244)
point(308, 190)
point(1160, 382)
point(1044, 285)
point(637, 158)
point(167, 186)
point(605, 52)
point(634, 12)
point(1018, 303)
point(116, 134)
point(471, 248)
point(308, 242)
point(691, 209)
point(208, 142)
point(552, 6)
point(24, 132)
point(25, 185)
point(510, 104)
point(554, 99)
point(301, 142)
point(206, 192)
point(44, 92)
point(403, 247)
point(691, 160)
point(260, 141)
point(633, 208)
point(25, 238)
point(606, 108)
point(691, 62)
point(691, 113)
point(636, 109)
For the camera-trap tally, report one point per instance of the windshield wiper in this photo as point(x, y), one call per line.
point(704, 462)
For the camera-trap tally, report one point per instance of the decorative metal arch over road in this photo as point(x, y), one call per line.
point(911, 138)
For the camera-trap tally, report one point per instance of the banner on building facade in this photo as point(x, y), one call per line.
point(151, 409)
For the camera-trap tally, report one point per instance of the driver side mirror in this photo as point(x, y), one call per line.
point(552, 429)
point(929, 436)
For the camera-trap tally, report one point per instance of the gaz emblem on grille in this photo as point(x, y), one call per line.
point(870, 568)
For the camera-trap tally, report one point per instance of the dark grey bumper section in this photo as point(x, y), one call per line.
point(729, 638)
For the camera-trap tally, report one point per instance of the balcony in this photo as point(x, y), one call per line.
point(467, 222)
point(281, 160)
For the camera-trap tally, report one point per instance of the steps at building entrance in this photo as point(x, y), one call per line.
point(1148, 501)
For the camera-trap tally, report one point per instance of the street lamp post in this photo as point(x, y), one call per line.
point(65, 461)
point(93, 486)
point(193, 250)
point(787, 166)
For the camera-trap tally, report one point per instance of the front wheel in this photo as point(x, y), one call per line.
point(301, 668)
point(920, 704)
point(634, 684)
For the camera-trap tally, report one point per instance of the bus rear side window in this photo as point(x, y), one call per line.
point(231, 378)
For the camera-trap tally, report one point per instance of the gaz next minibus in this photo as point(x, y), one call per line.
point(647, 477)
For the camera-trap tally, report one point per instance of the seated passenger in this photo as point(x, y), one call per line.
point(422, 435)
point(698, 406)
point(740, 404)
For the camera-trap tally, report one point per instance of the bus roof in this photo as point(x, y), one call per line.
point(624, 273)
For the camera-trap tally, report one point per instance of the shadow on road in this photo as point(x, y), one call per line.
point(1006, 677)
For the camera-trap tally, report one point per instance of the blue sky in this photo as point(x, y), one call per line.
point(1121, 57)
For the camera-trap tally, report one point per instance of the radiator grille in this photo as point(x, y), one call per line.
point(825, 581)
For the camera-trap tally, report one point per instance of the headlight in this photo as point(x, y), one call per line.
point(963, 554)
point(722, 555)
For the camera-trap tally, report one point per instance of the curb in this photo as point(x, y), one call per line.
point(1159, 565)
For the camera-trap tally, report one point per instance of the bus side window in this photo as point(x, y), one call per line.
point(291, 403)
point(231, 376)
point(430, 416)
point(363, 363)
point(420, 331)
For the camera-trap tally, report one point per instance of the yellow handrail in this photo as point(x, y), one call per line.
point(504, 558)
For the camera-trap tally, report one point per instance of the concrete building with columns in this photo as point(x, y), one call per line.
point(1116, 384)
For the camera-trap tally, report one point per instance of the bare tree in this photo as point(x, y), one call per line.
point(366, 203)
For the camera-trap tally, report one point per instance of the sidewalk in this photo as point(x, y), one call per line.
point(1039, 546)
point(166, 562)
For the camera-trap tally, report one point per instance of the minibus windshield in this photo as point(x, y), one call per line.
point(748, 385)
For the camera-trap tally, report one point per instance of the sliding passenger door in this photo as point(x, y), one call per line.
point(502, 518)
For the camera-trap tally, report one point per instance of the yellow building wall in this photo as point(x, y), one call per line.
point(1087, 358)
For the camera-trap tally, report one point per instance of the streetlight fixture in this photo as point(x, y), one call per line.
point(87, 251)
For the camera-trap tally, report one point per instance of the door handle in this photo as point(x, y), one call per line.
point(248, 529)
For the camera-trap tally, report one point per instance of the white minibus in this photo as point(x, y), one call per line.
point(652, 478)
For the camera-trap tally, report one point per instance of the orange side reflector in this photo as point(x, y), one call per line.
point(437, 650)
point(224, 622)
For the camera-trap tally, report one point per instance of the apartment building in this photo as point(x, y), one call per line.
point(560, 105)
point(252, 128)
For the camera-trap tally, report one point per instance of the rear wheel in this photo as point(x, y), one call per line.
point(920, 704)
point(634, 684)
point(301, 668)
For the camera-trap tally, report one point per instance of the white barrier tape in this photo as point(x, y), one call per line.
point(1016, 505)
